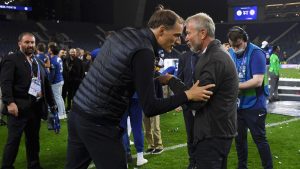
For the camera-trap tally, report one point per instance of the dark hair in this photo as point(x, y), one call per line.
point(52, 43)
point(23, 34)
point(86, 53)
point(236, 33)
point(54, 49)
point(165, 17)
point(41, 47)
point(275, 48)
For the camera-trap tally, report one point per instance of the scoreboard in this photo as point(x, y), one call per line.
point(15, 8)
point(245, 13)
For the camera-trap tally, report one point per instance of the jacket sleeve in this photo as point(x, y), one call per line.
point(176, 85)
point(7, 79)
point(206, 76)
point(52, 72)
point(180, 71)
point(143, 71)
point(49, 93)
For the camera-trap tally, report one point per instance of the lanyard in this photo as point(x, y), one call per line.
point(193, 63)
point(38, 67)
point(241, 68)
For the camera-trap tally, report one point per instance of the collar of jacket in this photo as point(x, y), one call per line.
point(214, 42)
point(149, 35)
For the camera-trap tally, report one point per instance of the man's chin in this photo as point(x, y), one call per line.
point(194, 50)
point(28, 53)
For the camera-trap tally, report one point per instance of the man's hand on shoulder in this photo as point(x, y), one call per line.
point(199, 93)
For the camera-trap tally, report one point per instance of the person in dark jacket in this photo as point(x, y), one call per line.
point(66, 69)
point(215, 123)
point(26, 95)
point(103, 96)
point(186, 71)
point(75, 74)
point(86, 61)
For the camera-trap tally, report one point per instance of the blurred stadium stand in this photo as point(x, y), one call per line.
point(89, 36)
point(85, 23)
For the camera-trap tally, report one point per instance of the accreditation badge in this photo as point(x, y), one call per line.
point(35, 87)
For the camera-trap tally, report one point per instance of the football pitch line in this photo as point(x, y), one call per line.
point(184, 145)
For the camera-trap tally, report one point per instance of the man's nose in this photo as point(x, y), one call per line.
point(178, 41)
point(186, 39)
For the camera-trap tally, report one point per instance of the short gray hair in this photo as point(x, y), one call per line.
point(202, 20)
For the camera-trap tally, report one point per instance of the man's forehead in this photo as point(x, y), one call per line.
point(236, 42)
point(190, 26)
point(28, 38)
point(177, 29)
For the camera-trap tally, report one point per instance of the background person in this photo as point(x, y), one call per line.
point(26, 95)
point(274, 74)
point(250, 64)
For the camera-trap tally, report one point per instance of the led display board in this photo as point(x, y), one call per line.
point(245, 13)
point(16, 8)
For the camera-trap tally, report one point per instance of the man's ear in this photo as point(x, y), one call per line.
point(203, 33)
point(161, 30)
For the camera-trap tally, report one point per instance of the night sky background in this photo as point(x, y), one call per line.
point(217, 9)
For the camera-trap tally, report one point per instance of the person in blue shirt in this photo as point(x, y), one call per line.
point(135, 112)
point(41, 49)
point(94, 53)
point(253, 91)
point(56, 79)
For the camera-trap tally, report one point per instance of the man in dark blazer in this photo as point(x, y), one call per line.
point(186, 71)
point(215, 123)
point(75, 74)
point(26, 93)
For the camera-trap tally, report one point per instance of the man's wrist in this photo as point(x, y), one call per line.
point(188, 95)
point(169, 79)
point(9, 101)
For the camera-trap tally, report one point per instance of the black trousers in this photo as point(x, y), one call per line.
point(255, 120)
point(28, 121)
point(212, 153)
point(89, 141)
point(189, 126)
point(71, 91)
point(65, 91)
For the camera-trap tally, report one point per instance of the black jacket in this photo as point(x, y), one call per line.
point(217, 117)
point(105, 91)
point(186, 67)
point(73, 70)
point(15, 79)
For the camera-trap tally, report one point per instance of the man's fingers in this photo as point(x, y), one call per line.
point(197, 83)
point(206, 96)
point(209, 86)
point(207, 92)
point(204, 99)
